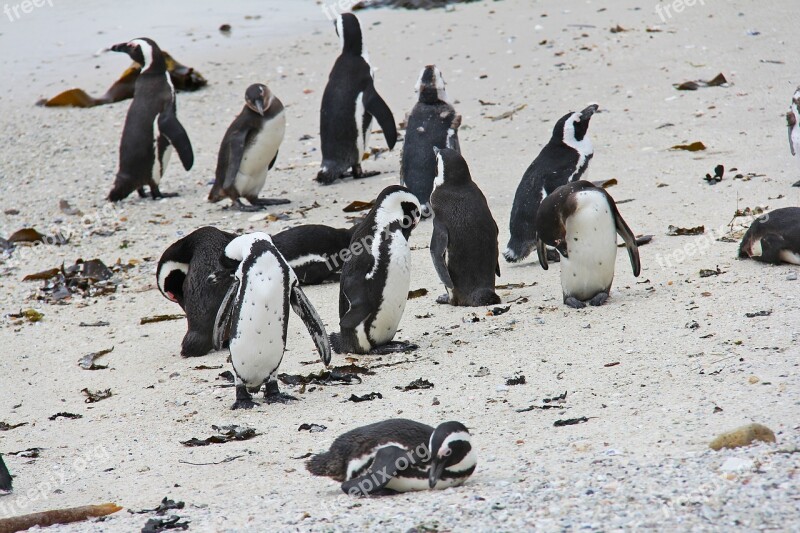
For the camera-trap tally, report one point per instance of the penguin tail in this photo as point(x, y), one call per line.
point(486, 296)
point(336, 342)
point(324, 464)
point(195, 344)
point(516, 251)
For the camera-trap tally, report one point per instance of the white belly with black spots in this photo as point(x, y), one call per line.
point(395, 292)
point(257, 348)
point(258, 155)
point(591, 236)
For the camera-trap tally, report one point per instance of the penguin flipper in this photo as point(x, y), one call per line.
point(439, 241)
point(223, 321)
point(173, 130)
point(627, 236)
point(383, 469)
point(235, 154)
point(302, 306)
point(792, 122)
point(375, 106)
point(5, 477)
point(541, 251)
point(272, 163)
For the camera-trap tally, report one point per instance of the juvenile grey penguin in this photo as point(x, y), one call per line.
point(464, 240)
point(432, 123)
point(398, 455)
point(581, 221)
point(5, 477)
point(376, 275)
point(774, 237)
point(254, 315)
point(249, 150)
point(151, 127)
point(182, 277)
point(349, 103)
point(793, 121)
point(563, 160)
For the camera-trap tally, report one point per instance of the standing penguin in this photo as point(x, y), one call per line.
point(774, 237)
point(432, 123)
point(563, 160)
point(249, 150)
point(348, 105)
point(151, 126)
point(398, 455)
point(376, 276)
point(581, 221)
point(793, 120)
point(255, 316)
point(464, 240)
point(182, 277)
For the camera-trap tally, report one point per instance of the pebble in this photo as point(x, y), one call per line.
point(736, 464)
point(743, 436)
point(792, 276)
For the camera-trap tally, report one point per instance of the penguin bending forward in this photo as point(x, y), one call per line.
point(398, 455)
point(581, 221)
point(376, 275)
point(151, 127)
point(793, 121)
point(348, 105)
point(255, 316)
point(432, 123)
point(464, 240)
point(564, 159)
point(774, 237)
point(249, 150)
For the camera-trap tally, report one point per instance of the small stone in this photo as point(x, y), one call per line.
point(435, 401)
point(501, 388)
point(792, 276)
point(582, 445)
point(752, 380)
point(736, 464)
point(743, 436)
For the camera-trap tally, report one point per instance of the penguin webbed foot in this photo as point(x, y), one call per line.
point(393, 347)
point(142, 192)
point(272, 394)
point(243, 399)
point(358, 174)
point(238, 205)
point(574, 303)
point(443, 299)
point(599, 299)
point(156, 193)
point(553, 255)
point(267, 202)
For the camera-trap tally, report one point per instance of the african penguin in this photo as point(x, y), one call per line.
point(254, 315)
point(249, 150)
point(151, 126)
point(563, 160)
point(348, 105)
point(774, 237)
point(314, 251)
point(581, 221)
point(398, 455)
point(464, 240)
point(793, 120)
point(5, 477)
point(182, 277)
point(376, 274)
point(432, 123)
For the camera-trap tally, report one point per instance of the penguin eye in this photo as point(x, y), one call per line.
point(448, 452)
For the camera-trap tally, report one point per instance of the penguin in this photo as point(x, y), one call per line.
point(398, 455)
point(182, 277)
point(151, 127)
point(254, 315)
point(792, 119)
point(349, 103)
point(564, 159)
point(432, 123)
point(249, 150)
point(314, 251)
point(5, 477)
point(581, 221)
point(464, 240)
point(376, 275)
point(773, 237)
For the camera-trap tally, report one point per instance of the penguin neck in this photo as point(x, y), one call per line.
point(429, 95)
point(155, 65)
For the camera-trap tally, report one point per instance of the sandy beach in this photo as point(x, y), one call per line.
point(670, 362)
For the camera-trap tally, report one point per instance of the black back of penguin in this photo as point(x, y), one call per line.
point(313, 251)
point(433, 122)
point(773, 237)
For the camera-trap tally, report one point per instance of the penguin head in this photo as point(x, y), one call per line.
point(144, 51)
point(170, 276)
point(796, 98)
point(451, 450)
point(258, 97)
point(396, 207)
point(349, 31)
point(430, 86)
point(451, 168)
point(571, 129)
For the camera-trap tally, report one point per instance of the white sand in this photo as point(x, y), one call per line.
point(641, 460)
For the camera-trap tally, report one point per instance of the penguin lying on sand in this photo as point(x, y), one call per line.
point(398, 455)
point(774, 237)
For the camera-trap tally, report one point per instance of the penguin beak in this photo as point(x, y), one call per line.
point(437, 468)
point(587, 113)
point(122, 47)
point(260, 107)
point(436, 150)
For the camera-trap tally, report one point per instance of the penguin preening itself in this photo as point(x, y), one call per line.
point(793, 121)
point(581, 221)
point(564, 159)
point(313, 251)
point(774, 237)
point(464, 240)
point(376, 275)
point(249, 150)
point(5, 477)
point(398, 455)
point(348, 105)
point(151, 126)
point(254, 315)
point(432, 123)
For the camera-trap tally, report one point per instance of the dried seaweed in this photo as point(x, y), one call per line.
point(497, 311)
point(96, 396)
point(160, 318)
point(717, 81)
point(674, 231)
point(323, 377)
point(366, 397)
point(71, 416)
point(87, 361)
point(225, 434)
point(696, 146)
point(5, 426)
point(312, 428)
point(417, 293)
point(165, 505)
point(516, 380)
point(418, 384)
point(758, 313)
point(570, 421)
point(57, 516)
point(154, 525)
